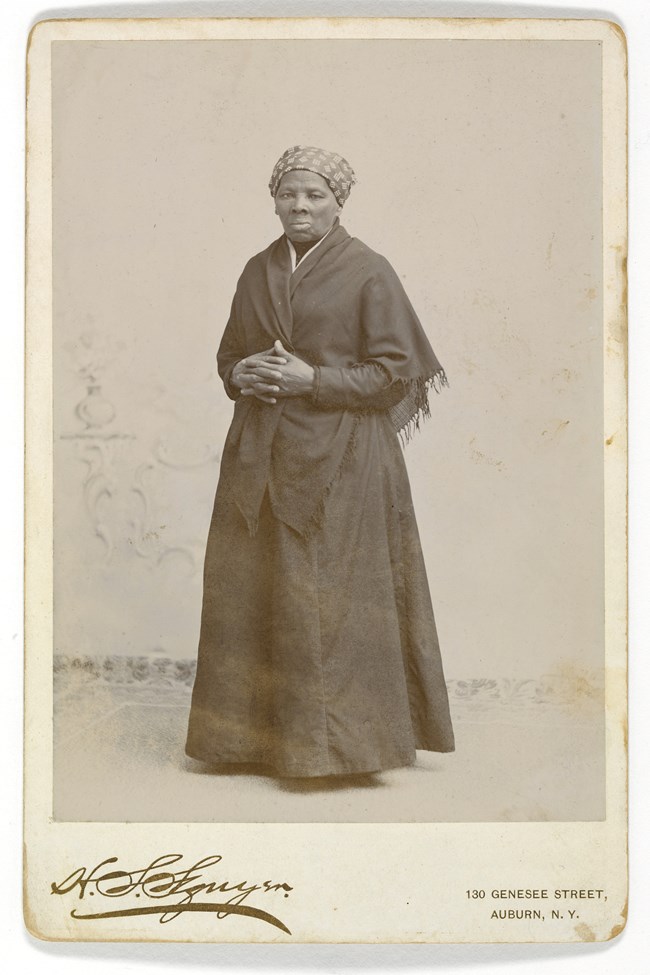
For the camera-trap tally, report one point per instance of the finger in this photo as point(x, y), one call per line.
point(258, 356)
point(248, 378)
point(261, 369)
point(278, 347)
point(269, 373)
point(275, 360)
point(253, 360)
point(261, 396)
point(265, 388)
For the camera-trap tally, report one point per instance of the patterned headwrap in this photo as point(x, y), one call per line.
point(335, 170)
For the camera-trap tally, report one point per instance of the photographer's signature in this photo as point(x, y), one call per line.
point(173, 889)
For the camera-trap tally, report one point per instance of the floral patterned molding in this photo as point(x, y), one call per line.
point(566, 688)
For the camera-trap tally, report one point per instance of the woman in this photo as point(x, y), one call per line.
point(318, 652)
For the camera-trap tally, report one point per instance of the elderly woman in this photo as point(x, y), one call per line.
point(318, 652)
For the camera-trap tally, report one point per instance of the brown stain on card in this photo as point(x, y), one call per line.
point(551, 433)
point(617, 332)
point(549, 251)
point(478, 457)
point(29, 917)
point(576, 689)
point(619, 928)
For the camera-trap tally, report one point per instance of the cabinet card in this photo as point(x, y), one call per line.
point(368, 277)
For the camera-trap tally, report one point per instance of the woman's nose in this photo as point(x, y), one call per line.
point(299, 204)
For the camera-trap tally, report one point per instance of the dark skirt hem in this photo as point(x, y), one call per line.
point(314, 771)
point(319, 655)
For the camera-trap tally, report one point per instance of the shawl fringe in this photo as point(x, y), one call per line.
point(406, 416)
point(414, 408)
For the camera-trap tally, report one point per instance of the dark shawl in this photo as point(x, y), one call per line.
point(344, 311)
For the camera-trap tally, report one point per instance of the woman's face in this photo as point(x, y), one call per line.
point(306, 206)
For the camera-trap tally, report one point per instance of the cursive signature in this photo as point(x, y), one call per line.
point(164, 880)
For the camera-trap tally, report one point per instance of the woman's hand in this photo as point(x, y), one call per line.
point(290, 375)
point(247, 378)
point(274, 373)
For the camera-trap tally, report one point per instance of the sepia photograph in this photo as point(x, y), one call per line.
point(401, 406)
point(329, 434)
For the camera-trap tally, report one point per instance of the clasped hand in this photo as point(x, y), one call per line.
point(273, 374)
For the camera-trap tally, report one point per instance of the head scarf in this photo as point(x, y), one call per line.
point(335, 170)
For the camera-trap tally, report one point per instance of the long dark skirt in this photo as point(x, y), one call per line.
point(319, 655)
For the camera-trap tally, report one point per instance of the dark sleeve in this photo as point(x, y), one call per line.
point(231, 351)
point(375, 383)
point(364, 386)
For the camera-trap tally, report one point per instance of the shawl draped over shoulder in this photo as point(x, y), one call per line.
point(345, 312)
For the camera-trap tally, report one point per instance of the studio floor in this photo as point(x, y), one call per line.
point(522, 754)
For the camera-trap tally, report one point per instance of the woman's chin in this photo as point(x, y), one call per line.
point(301, 236)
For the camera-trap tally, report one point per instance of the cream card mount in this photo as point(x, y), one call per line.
point(194, 771)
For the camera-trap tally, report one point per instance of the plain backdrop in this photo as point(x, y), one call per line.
point(23, 953)
point(479, 178)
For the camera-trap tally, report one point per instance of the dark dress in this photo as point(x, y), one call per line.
point(318, 651)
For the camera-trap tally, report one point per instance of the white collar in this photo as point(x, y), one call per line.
point(292, 250)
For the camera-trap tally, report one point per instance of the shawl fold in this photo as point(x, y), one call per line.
point(344, 311)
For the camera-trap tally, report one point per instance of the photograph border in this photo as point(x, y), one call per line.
point(322, 906)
